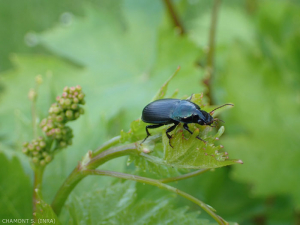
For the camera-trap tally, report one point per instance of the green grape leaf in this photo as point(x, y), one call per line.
point(118, 204)
point(15, 190)
point(191, 153)
point(121, 67)
point(25, 40)
point(194, 153)
point(44, 212)
point(162, 92)
point(137, 132)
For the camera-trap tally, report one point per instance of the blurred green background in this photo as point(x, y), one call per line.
point(121, 52)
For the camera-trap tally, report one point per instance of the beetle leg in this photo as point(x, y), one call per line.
point(201, 139)
point(151, 127)
point(185, 126)
point(169, 130)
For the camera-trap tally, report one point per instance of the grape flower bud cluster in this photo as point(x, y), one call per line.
point(37, 151)
point(58, 136)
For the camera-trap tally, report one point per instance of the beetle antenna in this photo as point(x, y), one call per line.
point(217, 119)
point(190, 98)
point(211, 112)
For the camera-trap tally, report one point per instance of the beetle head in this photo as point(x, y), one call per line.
point(205, 119)
point(216, 119)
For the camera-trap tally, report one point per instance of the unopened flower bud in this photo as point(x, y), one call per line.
point(78, 88)
point(75, 100)
point(56, 110)
point(80, 96)
point(32, 95)
point(57, 131)
point(48, 158)
point(68, 102)
point(59, 118)
point(30, 147)
point(39, 79)
point(42, 162)
point(65, 94)
point(42, 144)
point(74, 106)
point(69, 114)
point(35, 159)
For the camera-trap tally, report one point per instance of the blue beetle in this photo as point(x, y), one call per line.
point(174, 111)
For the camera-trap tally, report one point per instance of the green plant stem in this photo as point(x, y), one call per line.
point(33, 114)
point(174, 16)
point(211, 51)
point(62, 194)
point(158, 184)
point(130, 149)
point(37, 185)
point(93, 162)
point(184, 176)
point(112, 142)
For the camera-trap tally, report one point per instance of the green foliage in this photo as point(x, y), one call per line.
point(118, 204)
point(263, 82)
point(193, 153)
point(121, 52)
point(233, 24)
point(137, 70)
point(14, 203)
point(44, 212)
point(102, 78)
point(24, 34)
